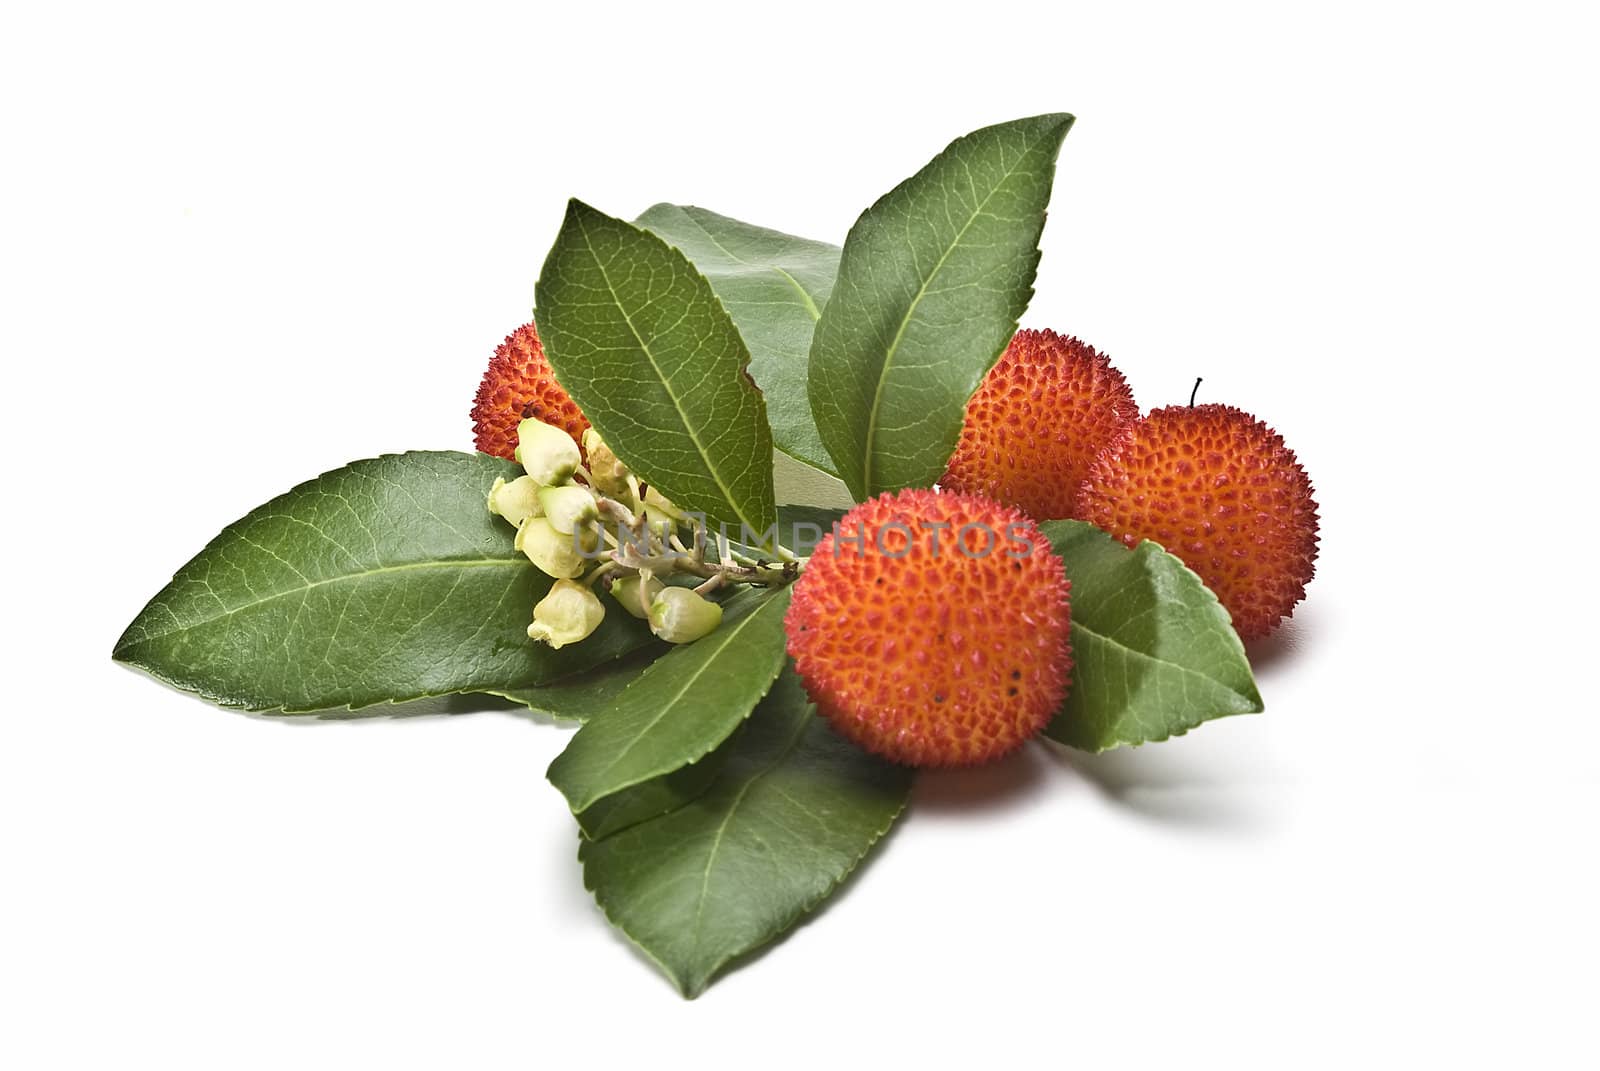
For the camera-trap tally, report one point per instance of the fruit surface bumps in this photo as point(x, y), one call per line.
point(519, 384)
point(929, 642)
point(1032, 429)
point(1219, 489)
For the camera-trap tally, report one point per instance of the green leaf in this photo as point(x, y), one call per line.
point(386, 580)
point(792, 811)
point(803, 527)
point(657, 796)
point(774, 285)
point(581, 696)
point(800, 529)
point(933, 280)
point(1154, 654)
point(796, 483)
point(689, 701)
point(639, 340)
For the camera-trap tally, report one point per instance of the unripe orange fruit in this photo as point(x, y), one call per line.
point(932, 629)
point(1036, 422)
point(1219, 489)
point(519, 384)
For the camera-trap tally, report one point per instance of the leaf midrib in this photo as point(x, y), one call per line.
point(448, 563)
point(801, 724)
point(922, 291)
point(683, 417)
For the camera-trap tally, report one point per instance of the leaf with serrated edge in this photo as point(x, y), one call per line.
point(582, 696)
point(639, 340)
point(681, 708)
point(383, 581)
point(657, 796)
point(774, 285)
point(933, 279)
point(1154, 653)
point(792, 811)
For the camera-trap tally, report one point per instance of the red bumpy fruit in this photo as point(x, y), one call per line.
point(1047, 407)
point(930, 642)
point(1219, 489)
point(517, 385)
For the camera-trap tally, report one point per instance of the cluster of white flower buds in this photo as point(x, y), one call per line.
point(560, 508)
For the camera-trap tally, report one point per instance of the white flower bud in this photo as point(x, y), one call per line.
point(550, 550)
point(546, 452)
point(680, 615)
point(568, 508)
point(568, 614)
point(657, 502)
point(610, 475)
point(661, 516)
point(588, 540)
point(636, 593)
point(515, 501)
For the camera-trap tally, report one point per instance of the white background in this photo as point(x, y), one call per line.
point(241, 247)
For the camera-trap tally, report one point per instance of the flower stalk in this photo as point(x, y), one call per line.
point(571, 516)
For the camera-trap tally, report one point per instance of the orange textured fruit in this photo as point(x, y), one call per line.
point(930, 642)
point(1047, 407)
point(517, 385)
point(1219, 489)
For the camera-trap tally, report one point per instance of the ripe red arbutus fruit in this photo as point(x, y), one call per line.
point(1047, 407)
point(517, 385)
point(932, 629)
point(1219, 489)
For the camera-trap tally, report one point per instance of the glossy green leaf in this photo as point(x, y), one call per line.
point(792, 811)
point(774, 285)
point(686, 703)
point(637, 337)
point(657, 796)
point(385, 580)
point(581, 696)
point(1154, 653)
point(933, 279)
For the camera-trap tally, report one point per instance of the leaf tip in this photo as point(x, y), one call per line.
point(555, 773)
point(122, 650)
point(580, 210)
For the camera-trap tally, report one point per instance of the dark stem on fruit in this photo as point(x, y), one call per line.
point(1197, 381)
